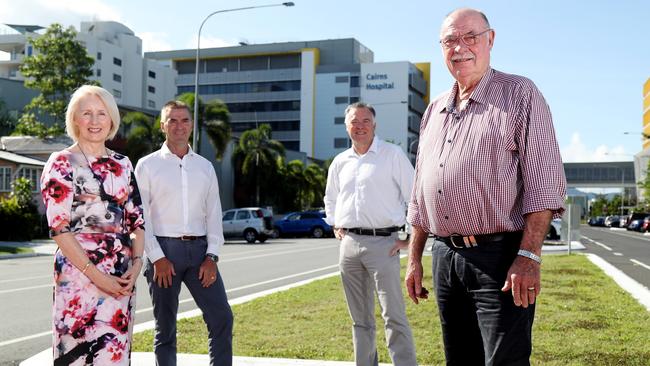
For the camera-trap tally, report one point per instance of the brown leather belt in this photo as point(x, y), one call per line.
point(471, 241)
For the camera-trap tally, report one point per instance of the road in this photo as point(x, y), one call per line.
point(626, 250)
point(26, 287)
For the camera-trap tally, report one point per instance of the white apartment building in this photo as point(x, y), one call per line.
point(119, 65)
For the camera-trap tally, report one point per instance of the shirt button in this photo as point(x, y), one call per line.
point(440, 191)
point(449, 140)
point(457, 118)
point(446, 217)
point(441, 165)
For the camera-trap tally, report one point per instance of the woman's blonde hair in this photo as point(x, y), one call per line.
point(106, 98)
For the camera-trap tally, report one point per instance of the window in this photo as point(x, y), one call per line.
point(354, 99)
point(152, 74)
point(30, 50)
point(228, 216)
point(99, 72)
point(340, 143)
point(117, 78)
point(117, 93)
point(339, 120)
point(117, 61)
point(341, 100)
point(243, 215)
point(354, 82)
point(309, 216)
point(5, 179)
point(342, 79)
point(151, 89)
point(151, 104)
point(33, 175)
point(99, 55)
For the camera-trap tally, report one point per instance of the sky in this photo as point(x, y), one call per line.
point(588, 58)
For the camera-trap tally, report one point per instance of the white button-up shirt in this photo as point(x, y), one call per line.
point(180, 197)
point(369, 190)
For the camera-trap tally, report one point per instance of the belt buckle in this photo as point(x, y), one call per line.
point(453, 243)
point(186, 238)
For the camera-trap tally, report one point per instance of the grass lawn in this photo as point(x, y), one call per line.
point(14, 250)
point(582, 318)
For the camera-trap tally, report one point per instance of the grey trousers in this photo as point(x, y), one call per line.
point(366, 267)
point(187, 258)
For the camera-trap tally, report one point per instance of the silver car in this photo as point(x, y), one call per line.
point(251, 223)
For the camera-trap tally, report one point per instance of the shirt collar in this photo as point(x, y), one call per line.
point(373, 147)
point(164, 149)
point(479, 94)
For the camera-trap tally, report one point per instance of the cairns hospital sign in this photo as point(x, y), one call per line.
point(377, 81)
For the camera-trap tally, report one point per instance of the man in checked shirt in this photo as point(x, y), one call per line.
point(489, 178)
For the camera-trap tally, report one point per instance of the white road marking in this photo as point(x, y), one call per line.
point(640, 263)
point(618, 254)
point(25, 288)
point(26, 278)
point(597, 243)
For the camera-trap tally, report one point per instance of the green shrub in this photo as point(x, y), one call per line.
point(19, 217)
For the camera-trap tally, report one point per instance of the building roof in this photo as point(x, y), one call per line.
point(22, 29)
point(33, 145)
point(19, 159)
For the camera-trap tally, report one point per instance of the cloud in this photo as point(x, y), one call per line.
point(577, 151)
point(154, 41)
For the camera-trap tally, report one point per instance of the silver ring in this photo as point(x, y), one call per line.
point(531, 289)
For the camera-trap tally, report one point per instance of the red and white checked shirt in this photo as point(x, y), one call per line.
point(480, 170)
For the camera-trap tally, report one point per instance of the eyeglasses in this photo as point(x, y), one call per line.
point(469, 39)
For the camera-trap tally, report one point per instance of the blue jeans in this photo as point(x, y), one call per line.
point(480, 324)
point(187, 257)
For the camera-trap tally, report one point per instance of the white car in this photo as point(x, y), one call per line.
point(251, 223)
point(554, 230)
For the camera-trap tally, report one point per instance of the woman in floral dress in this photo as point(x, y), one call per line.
point(93, 205)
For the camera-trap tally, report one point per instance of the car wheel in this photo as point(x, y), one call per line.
point(275, 233)
point(317, 232)
point(262, 238)
point(250, 236)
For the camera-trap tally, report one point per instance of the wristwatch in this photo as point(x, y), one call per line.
point(214, 258)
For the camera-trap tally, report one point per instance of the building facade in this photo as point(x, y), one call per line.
point(119, 65)
point(302, 88)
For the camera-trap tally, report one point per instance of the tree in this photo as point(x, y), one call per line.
point(144, 135)
point(7, 121)
point(214, 118)
point(59, 65)
point(256, 153)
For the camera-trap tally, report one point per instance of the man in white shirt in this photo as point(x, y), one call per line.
point(183, 235)
point(368, 187)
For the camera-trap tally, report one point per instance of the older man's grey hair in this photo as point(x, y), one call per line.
point(358, 105)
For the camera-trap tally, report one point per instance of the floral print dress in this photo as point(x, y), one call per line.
point(97, 201)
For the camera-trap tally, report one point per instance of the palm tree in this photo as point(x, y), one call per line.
point(315, 179)
point(214, 117)
point(256, 154)
point(144, 135)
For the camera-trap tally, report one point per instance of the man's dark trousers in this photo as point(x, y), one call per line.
point(187, 257)
point(480, 323)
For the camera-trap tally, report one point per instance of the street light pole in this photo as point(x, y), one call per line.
point(195, 136)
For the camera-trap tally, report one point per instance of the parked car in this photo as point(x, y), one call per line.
point(596, 221)
point(303, 223)
point(612, 221)
point(250, 223)
point(645, 226)
point(554, 230)
point(636, 221)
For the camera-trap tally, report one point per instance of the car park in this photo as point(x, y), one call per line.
point(596, 221)
point(310, 223)
point(250, 223)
